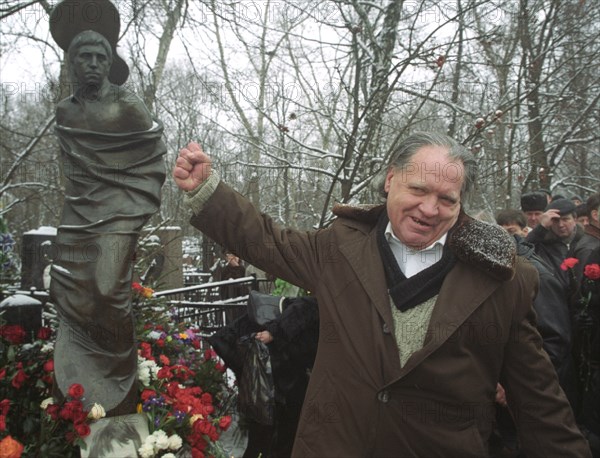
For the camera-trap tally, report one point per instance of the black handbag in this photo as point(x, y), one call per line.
point(263, 308)
point(256, 395)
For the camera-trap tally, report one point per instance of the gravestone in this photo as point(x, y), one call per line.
point(25, 311)
point(37, 252)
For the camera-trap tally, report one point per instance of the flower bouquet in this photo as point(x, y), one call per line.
point(183, 392)
point(586, 315)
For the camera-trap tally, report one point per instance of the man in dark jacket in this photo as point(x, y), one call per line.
point(551, 307)
point(556, 237)
point(292, 341)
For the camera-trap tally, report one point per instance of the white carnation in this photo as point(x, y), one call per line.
point(146, 450)
point(46, 402)
point(162, 440)
point(97, 412)
point(147, 371)
point(168, 455)
point(154, 335)
point(175, 442)
point(150, 440)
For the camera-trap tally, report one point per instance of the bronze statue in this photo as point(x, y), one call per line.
point(113, 166)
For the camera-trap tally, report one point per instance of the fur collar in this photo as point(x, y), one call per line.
point(485, 246)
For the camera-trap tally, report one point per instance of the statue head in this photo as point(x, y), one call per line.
point(72, 19)
point(90, 58)
point(88, 37)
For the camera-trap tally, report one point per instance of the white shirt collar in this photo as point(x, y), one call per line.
point(413, 261)
point(389, 234)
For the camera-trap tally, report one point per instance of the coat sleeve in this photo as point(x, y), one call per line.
point(231, 220)
point(537, 234)
point(542, 414)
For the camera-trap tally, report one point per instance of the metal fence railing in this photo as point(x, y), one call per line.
point(210, 306)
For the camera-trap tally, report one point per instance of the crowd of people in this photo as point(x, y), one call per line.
point(429, 319)
point(561, 236)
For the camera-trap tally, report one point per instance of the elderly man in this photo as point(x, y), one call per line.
point(422, 311)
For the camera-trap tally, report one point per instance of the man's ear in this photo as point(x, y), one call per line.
point(388, 179)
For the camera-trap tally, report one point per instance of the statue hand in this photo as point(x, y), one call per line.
point(192, 168)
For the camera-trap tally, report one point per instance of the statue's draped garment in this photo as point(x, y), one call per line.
point(112, 186)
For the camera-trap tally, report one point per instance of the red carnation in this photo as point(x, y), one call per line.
point(73, 411)
point(569, 263)
point(76, 391)
point(165, 372)
point(14, 333)
point(592, 271)
point(197, 453)
point(53, 410)
point(19, 378)
point(49, 365)
point(137, 287)
point(2, 423)
point(146, 351)
point(206, 398)
point(4, 406)
point(147, 394)
point(209, 354)
point(83, 429)
point(224, 422)
point(44, 333)
point(2, 373)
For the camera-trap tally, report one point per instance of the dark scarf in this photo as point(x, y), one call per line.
point(410, 292)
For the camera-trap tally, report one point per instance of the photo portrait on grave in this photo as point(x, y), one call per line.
point(107, 131)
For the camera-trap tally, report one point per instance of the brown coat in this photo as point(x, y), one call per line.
point(360, 402)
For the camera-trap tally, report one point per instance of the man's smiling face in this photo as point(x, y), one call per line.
point(423, 199)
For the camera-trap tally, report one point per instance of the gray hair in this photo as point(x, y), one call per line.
point(88, 37)
point(457, 152)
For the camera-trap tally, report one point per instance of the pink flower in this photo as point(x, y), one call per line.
point(569, 263)
point(592, 271)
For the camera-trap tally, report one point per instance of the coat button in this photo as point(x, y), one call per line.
point(383, 396)
point(386, 329)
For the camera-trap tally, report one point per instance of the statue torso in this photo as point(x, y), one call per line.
point(115, 110)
